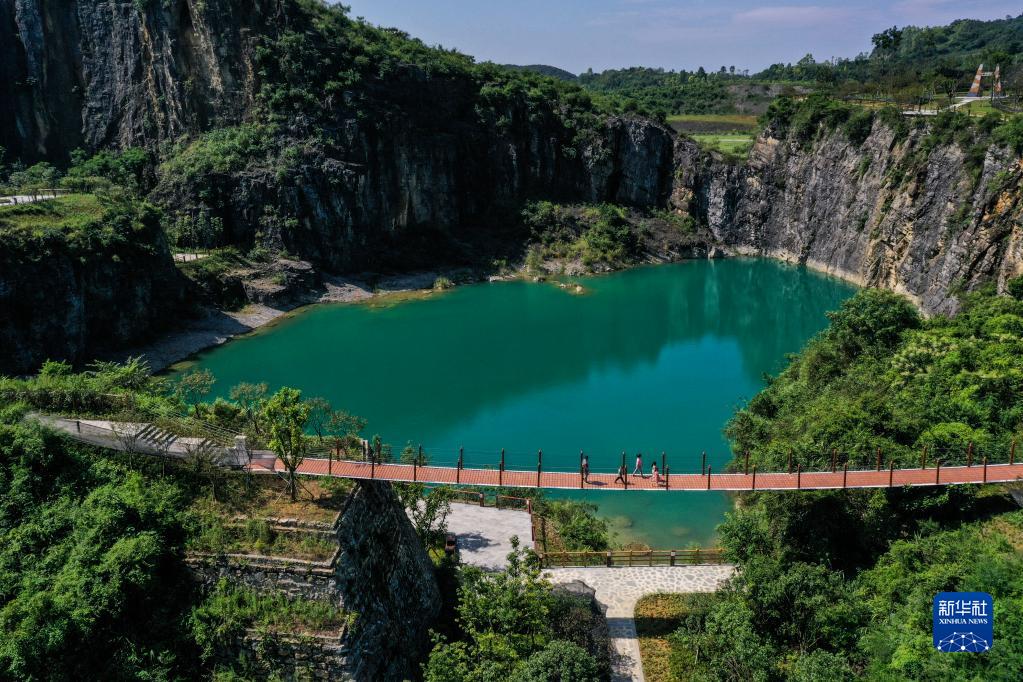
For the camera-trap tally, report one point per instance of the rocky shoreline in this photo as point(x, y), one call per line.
point(213, 327)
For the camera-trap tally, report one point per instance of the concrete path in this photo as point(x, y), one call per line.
point(16, 199)
point(128, 436)
point(618, 590)
point(484, 533)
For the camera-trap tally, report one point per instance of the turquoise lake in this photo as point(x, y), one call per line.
point(654, 359)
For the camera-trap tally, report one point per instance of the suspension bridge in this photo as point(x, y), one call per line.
point(148, 439)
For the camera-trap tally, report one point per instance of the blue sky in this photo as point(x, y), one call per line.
point(578, 34)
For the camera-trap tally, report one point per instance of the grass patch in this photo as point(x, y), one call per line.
point(256, 536)
point(733, 144)
point(981, 107)
point(68, 213)
point(319, 501)
point(701, 122)
point(230, 609)
point(657, 617)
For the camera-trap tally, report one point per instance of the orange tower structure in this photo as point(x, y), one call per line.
point(975, 88)
point(996, 89)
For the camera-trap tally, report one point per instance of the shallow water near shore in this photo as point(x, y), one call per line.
point(650, 360)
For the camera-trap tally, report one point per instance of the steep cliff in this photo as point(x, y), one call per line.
point(288, 126)
point(901, 211)
point(97, 73)
point(69, 290)
point(415, 190)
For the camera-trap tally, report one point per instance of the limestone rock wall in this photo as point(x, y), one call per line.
point(307, 657)
point(96, 73)
point(854, 210)
point(61, 299)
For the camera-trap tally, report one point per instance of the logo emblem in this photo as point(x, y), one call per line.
point(964, 622)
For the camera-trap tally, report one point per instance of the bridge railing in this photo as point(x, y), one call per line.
point(630, 557)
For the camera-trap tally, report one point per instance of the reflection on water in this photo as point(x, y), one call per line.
point(652, 360)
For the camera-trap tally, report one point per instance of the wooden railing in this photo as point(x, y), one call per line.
point(629, 557)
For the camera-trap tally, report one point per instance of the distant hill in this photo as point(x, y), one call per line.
point(545, 70)
point(963, 42)
point(913, 54)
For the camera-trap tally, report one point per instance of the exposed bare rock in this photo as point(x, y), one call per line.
point(876, 214)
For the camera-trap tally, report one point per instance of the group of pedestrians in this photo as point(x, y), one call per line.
point(622, 476)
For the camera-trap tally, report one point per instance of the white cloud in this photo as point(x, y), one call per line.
point(793, 15)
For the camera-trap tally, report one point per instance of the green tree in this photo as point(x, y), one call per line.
point(1015, 288)
point(193, 386)
point(819, 665)
point(320, 414)
point(343, 425)
point(514, 603)
point(285, 416)
point(250, 398)
point(577, 524)
point(559, 661)
point(507, 619)
point(34, 178)
point(428, 511)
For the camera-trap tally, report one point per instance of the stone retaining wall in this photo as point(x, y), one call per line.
point(380, 573)
point(290, 657)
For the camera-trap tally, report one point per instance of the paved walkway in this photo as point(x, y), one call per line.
point(618, 590)
point(484, 533)
point(42, 195)
point(142, 439)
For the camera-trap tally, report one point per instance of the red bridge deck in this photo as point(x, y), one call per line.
point(807, 480)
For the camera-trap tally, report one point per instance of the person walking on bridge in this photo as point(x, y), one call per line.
point(585, 467)
point(622, 472)
point(638, 471)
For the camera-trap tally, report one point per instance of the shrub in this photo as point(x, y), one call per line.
point(859, 125)
point(560, 661)
point(230, 609)
point(1010, 134)
point(576, 524)
point(1014, 287)
point(609, 239)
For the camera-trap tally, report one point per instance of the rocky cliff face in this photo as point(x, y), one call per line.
point(886, 213)
point(413, 169)
point(411, 191)
point(70, 299)
point(96, 73)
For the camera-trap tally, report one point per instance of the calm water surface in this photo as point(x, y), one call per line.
point(649, 360)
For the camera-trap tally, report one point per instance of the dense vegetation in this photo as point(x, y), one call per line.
point(92, 579)
point(92, 543)
point(802, 121)
point(660, 93)
point(906, 65)
point(511, 626)
point(601, 237)
point(936, 57)
point(91, 582)
point(838, 584)
point(953, 51)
